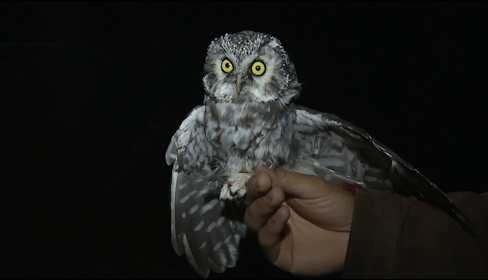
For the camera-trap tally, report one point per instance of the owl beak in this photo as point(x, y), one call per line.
point(238, 84)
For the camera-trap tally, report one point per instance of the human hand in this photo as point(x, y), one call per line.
point(302, 221)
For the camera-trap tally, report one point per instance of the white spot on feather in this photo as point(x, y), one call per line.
point(210, 227)
point(209, 206)
point(193, 209)
point(199, 226)
point(217, 246)
point(186, 197)
point(220, 221)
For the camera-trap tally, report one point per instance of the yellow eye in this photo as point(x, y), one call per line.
point(258, 68)
point(227, 66)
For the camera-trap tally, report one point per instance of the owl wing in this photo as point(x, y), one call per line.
point(341, 152)
point(202, 226)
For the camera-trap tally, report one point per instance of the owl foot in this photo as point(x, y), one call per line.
point(235, 186)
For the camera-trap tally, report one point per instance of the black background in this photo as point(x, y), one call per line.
point(91, 93)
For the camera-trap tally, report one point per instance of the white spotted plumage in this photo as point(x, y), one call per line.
point(249, 119)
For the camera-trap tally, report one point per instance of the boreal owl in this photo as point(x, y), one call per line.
point(248, 118)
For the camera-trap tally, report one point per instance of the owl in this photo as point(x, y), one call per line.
point(248, 117)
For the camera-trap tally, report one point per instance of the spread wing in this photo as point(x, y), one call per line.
point(342, 153)
point(203, 227)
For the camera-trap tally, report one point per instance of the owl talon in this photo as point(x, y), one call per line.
point(235, 187)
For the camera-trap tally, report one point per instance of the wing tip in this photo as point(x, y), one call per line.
point(202, 270)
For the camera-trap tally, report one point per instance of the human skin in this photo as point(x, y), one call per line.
point(302, 221)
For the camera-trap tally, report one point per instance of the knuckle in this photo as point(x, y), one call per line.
point(282, 175)
point(264, 238)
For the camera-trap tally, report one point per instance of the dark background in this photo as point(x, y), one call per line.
point(91, 93)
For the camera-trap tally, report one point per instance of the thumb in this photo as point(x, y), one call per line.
point(297, 184)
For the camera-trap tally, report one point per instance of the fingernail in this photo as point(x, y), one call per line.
point(276, 216)
point(267, 197)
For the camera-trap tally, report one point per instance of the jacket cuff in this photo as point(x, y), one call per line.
point(374, 234)
point(393, 236)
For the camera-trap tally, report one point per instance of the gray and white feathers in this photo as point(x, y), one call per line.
point(247, 119)
point(279, 81)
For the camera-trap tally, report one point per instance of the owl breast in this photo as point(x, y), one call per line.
point(248, 133)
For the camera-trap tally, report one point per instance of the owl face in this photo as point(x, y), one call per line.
point(249, 66)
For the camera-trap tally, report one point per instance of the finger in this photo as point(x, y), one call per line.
point(296, 184)
point(258, 212)
point(257, 186)
point(271, 233)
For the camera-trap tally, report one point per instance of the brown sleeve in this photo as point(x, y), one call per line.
point(401, 237)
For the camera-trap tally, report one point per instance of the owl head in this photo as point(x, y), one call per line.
point(249, 66)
